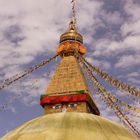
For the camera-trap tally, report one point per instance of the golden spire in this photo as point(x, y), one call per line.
point(68, 89)
point(71, 34)
point(71, 41)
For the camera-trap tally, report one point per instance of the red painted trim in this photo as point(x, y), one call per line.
point(58, 99)
point(68, 98)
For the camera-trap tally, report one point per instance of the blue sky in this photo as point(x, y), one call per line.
point(30, 31)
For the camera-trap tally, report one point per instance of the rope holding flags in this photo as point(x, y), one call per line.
point(33, 85)
point(108, 100)
point(73, 2)
point(115, 99)
point(26, 72)
point(114, 82)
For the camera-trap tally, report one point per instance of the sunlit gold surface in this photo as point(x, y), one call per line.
point(71, 34)
point(70, 126)
point(67, 77)
point(71, 41)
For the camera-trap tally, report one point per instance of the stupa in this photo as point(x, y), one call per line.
point(70, 111)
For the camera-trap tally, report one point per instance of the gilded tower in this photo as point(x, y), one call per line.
point(68, 89)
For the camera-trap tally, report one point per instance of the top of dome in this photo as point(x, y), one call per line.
point(71, 34)
point(70, 125)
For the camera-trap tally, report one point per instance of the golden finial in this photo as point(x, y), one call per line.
point(71, 41)
point(71, 34)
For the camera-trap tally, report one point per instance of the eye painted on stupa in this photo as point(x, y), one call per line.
point(72, 105)
point(57, 106)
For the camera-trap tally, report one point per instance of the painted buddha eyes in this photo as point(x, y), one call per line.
point(70, 105)
point(56, 106)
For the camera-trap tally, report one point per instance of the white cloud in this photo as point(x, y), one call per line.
point(112, 17)
point(127, 49)
point(131, 28)
point(134, 81)
point(128, 61)
point(132, 42)
point(87, 11)
point(40, 26)
point(133, 74)
point(132, 9)
point(106, 47)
